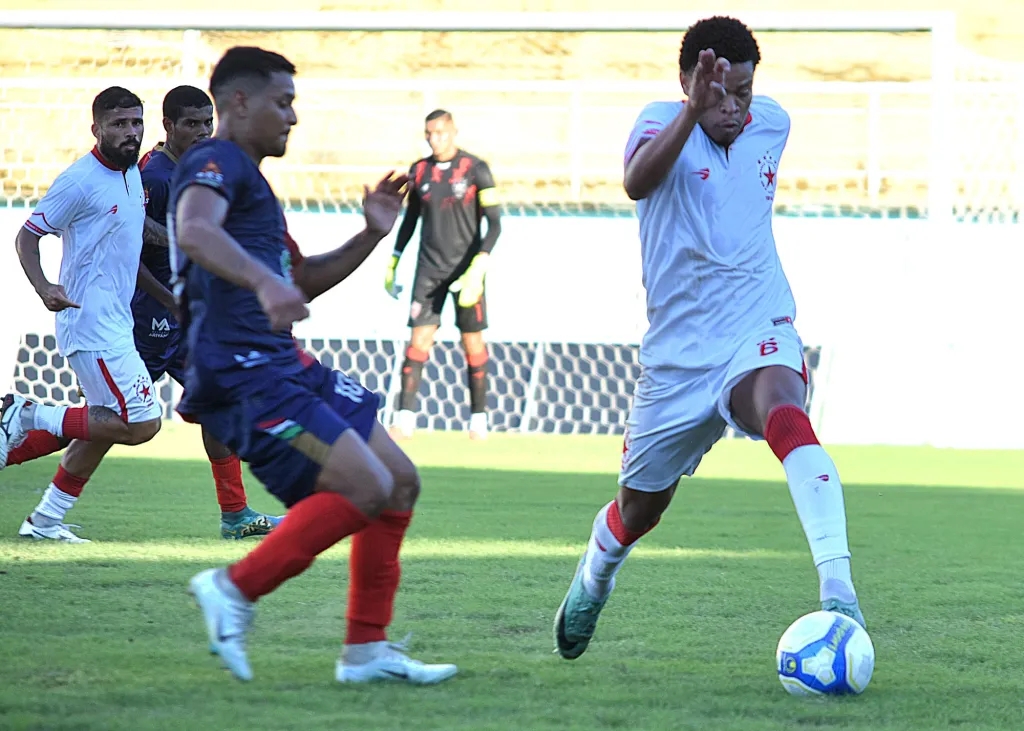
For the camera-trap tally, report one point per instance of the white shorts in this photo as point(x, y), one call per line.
point(679, 414)
point(118, 380)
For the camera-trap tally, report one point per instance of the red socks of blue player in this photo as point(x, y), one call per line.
point(311, 527)
point(227, 476)
point(374, 573)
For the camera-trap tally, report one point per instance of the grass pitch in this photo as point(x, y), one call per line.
point(103, 636)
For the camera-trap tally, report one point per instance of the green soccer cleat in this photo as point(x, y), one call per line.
point(246, 523)
point(841, 599)
point(576, 619)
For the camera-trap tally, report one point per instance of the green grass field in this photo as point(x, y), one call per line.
point(103, 636)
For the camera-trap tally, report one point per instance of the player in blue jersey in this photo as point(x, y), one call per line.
point(188, 118)
point(309, 434)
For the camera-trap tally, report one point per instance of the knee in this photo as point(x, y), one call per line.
point(407, 487)
point(143, 431)
point(369, 489)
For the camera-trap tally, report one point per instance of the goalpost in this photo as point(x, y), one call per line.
point(556, 380)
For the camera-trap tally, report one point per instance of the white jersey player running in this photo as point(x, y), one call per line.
point(721, 348)
point(96, 207)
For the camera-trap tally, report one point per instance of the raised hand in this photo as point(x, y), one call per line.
point(707, 86)
point(382, 205)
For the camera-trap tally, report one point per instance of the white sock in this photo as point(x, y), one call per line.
point(362, 653)
point(604, 557)
point(407, 421)
point(478, 422)
point(47, 418)
point(53, 507)
point(818, 497)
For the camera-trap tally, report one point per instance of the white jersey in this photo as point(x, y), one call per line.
point(710, 266)
point(98, 211)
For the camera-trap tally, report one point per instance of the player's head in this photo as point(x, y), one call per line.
point(439, 132)
point(732, 40)
point(254, 92)
point(188, 117)
point(117, 126)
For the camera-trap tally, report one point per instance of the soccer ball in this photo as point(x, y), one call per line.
point(825, 653)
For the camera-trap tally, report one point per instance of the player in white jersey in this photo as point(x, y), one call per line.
point(96, 207)
point(721, 349)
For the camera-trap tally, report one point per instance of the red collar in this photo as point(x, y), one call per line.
point(103, 160)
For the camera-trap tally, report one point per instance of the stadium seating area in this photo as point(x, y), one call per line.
point(528, 103)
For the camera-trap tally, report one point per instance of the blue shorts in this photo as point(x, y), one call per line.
point(285, 430)
point(160, 342)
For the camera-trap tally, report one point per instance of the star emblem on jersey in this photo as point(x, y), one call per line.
point(767, 169)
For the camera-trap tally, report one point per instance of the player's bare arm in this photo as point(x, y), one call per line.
point(381, 207)
point(52, 295)
point(154, 233)
point(654, 158)
point(203, 239)
point(152, 286)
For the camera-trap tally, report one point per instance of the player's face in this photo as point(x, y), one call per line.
point(194, 124)
point(118, 136)
point(440, 135)
point(724, 122)
point(272, 116)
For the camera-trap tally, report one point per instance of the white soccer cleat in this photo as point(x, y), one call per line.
point(403, 426)
point(389, 663)
point(227, 621)
point(12, 433)
point(60, 532)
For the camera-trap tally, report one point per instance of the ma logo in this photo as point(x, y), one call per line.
point(161, 325)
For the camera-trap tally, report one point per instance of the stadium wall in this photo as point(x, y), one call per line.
point(917, 323)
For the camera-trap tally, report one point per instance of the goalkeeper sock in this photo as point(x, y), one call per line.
point(477, 375)
point(815, 488)
point(412, 374)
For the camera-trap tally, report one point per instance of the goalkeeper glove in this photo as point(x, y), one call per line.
point(389, 278)
point(470, 285)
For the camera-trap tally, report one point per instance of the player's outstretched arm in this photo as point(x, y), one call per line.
point(654, 158)
point(381, 207)
point(201, 236)
point(52, 295)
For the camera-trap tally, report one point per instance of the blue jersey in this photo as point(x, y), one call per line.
point(233, 351)
point(157, 169)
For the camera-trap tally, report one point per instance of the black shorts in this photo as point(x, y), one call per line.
point(428, 296)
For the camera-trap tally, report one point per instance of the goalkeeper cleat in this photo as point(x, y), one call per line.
point(228, 616)
point(387, 662)
point(576, 618)
point(12, 433)
point(247, 523)
point(841, 599)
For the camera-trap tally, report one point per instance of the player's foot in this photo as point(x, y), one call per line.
point(576, 619)
point(478, 426)
point(374, 662)
point(12, 433)
point(841, 599)
point(403, 426)
point(398, 434)
point(57, 532)
point(228, 616)
point(245, 523)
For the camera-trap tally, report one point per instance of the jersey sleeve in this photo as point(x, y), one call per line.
point(654, 118)
point(486, 192)
point(64, 200)
point(157, 190)
point(215, 167)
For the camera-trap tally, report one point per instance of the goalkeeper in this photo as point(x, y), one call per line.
point(453, 192)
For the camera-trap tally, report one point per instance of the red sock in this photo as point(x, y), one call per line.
point(69, 483)
point(622, 534)
point(76, 423)
point(786, 428)
point(374, 573)
point(311, 527)
point(227, 476)
point(38, 443)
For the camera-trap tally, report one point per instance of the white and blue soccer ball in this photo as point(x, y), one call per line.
point(825, 653)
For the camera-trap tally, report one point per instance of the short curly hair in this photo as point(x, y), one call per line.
point(727, 37)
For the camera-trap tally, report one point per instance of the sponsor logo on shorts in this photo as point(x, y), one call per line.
point(626, 442)
point(161, 328)
point(769, 346)
point(787, 320)
point(415, 310)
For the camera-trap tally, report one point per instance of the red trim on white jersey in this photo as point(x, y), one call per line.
point(103, 161)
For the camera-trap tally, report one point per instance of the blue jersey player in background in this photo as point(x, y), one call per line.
point(309, 434)
point(188, 118)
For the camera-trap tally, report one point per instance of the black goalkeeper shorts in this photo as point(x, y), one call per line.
point(428, 298)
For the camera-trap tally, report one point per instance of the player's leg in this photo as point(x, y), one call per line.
point(237, 519)
point(374, 575)
point(428, 297)
point(768, 402)
point(472, 322)
point(38, 443)
point(670, 429)
point(120, 380)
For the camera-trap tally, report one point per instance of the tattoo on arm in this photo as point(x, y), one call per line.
point(154, 233)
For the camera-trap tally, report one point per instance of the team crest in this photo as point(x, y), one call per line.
point(459, 188)
point(143, 388)
point(767, 170)
point(145, 196)
point(286, 265)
